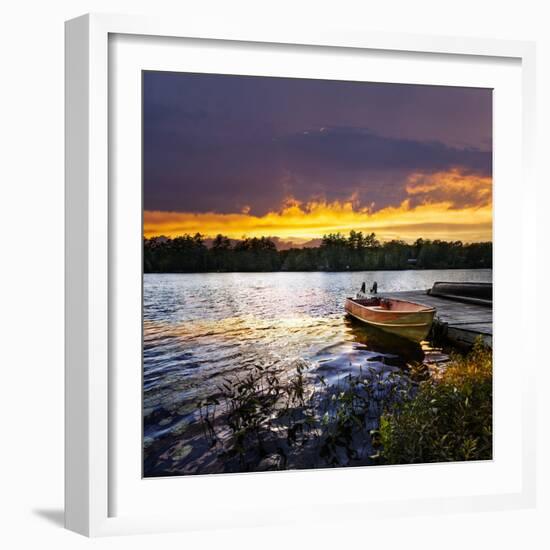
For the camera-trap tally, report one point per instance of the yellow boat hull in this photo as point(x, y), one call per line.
point(404, 319)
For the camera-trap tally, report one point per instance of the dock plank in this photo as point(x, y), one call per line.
point(462, 322)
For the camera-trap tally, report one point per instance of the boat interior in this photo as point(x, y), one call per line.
point(385, 304)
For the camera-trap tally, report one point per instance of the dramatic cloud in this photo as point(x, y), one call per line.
point(224, 153)
point(358, 149)
point(298, 222)
point(460, 189)
point(329, 163)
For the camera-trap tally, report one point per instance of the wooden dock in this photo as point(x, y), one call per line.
point(459, 322)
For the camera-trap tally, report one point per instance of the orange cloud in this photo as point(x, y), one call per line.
point(462, 190)
point(440, 206)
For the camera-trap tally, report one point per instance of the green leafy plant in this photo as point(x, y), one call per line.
point(449, 419)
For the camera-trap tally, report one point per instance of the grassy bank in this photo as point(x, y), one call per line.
point(449, 419)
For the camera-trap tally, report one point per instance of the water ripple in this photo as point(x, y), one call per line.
point(200, 328)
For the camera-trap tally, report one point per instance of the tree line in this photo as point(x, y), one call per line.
point(336, 252)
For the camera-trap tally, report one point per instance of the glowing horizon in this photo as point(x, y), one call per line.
point(447, 206)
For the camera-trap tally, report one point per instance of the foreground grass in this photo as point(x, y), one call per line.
point(449, 419)
point(265, 421)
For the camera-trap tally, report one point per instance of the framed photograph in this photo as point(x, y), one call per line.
point(289, 286)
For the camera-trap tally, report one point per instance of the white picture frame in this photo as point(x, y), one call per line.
point(90, 397)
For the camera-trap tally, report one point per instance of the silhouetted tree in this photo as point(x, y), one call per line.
point(189, 253)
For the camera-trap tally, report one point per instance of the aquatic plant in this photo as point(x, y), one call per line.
point(266, 413)
point(270, 419)
point(298, 422)
point(354, 410)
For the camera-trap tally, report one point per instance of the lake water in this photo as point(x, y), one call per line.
point(202, 328)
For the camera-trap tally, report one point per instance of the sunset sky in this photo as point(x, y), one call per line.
point(295, 158)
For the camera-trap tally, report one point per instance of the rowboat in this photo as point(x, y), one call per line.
point(400, 317)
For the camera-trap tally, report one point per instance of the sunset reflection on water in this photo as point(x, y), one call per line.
point(200, 329)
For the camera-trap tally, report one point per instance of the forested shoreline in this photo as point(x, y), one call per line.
point(337, 252)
